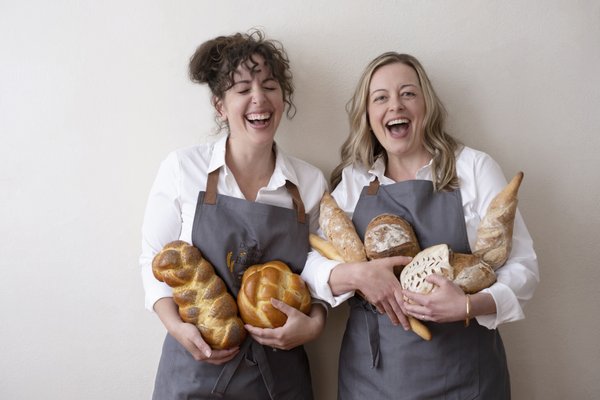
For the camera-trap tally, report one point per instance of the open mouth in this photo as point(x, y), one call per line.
point(259, 120)
point(398, 126)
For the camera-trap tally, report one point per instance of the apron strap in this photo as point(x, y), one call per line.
point(372, 324)
point(258, 353)
point(373, 187)
point(210, 196)
point(298, 204)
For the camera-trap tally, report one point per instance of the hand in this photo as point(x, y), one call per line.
point(189, 337)
point(380, 287)
point(446, 303)
point(297, 330)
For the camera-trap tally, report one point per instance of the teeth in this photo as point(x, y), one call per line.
point(257, 117)
point(398, 121)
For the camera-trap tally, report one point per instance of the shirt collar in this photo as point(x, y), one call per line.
point(283, 171)
point(217, 159)
point(378, 171)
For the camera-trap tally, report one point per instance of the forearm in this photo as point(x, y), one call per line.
point(481, 304)
point(168, 313)
point(344, 278)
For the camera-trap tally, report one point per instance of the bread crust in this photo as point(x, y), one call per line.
point(200, 294)
point(340, 230)
point(390, 235)
point(260, 284)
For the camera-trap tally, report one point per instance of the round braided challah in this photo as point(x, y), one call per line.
point(200, 294)
point(263, 282)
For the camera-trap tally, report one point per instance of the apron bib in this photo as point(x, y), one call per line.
point(232, 235)
point(381, 361)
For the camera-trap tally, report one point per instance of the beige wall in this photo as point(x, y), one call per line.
point(94, 94)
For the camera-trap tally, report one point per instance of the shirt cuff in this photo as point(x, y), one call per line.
point(508, 308)
point(316, 276)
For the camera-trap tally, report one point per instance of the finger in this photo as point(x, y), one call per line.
point(389, 310)
point(254, 330)
point(202, 346)
point(400, 260)
point(284, 308)
point(222, 356)
point(436, 279)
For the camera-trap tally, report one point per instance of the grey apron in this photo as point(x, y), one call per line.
point(381, 361)
point(232, 235)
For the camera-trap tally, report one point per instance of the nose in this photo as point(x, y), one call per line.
point(396, 103)
point(258, 96)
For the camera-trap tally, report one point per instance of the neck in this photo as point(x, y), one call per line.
point(252, 166)
point(406, 167)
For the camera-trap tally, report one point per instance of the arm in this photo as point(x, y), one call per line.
point(516, 279)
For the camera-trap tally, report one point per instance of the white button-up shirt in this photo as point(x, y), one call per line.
point(480, 179)
point(182, 175)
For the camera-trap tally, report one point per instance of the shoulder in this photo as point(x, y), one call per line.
point(472, 163)
point(302, 171)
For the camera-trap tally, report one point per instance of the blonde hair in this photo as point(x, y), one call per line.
point(363, 148)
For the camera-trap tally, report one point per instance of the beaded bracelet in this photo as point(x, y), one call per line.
point(468, 316)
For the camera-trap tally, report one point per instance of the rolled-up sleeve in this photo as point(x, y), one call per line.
point(162, 224)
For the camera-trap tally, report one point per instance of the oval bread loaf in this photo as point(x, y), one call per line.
point(263, 282)
point(390, 235)
point(200, 294)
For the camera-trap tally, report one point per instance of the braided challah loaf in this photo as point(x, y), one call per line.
point(275, 280)
point(201, 295)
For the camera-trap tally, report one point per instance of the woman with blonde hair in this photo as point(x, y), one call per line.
point(398, 159)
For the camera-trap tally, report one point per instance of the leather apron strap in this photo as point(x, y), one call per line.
point(210, 196)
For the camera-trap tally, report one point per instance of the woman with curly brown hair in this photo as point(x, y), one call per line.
point(258, 216)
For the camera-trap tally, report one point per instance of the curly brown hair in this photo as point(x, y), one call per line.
point(215, 61)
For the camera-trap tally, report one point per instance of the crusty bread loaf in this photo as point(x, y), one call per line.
point(471, 273)
point(494, 235)
point(340, 231)
point(390, 235)
point(200, 294)
point(432, 260)
point(263, 282)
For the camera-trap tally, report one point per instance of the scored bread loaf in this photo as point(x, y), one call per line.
point(200, 294)
point(468, 271)
point(260, 284)
point(340, 231)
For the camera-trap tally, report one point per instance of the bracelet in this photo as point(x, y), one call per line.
point(468, 315)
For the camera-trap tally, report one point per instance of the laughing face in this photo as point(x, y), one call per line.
point(396, 109)
point(253, 106)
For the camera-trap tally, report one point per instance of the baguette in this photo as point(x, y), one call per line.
point(494, 234)
point(340, 231)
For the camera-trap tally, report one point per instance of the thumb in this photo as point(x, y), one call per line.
point(436, 279)
point(202, 346)
point(281, 306)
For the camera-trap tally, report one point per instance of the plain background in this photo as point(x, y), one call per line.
point(94, 94)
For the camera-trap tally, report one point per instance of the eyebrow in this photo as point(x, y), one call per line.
point(401, 87)
point(247, 81)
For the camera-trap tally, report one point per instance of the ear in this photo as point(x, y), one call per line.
point(218, 104)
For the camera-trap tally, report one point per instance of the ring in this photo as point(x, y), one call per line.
point(423, 316)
